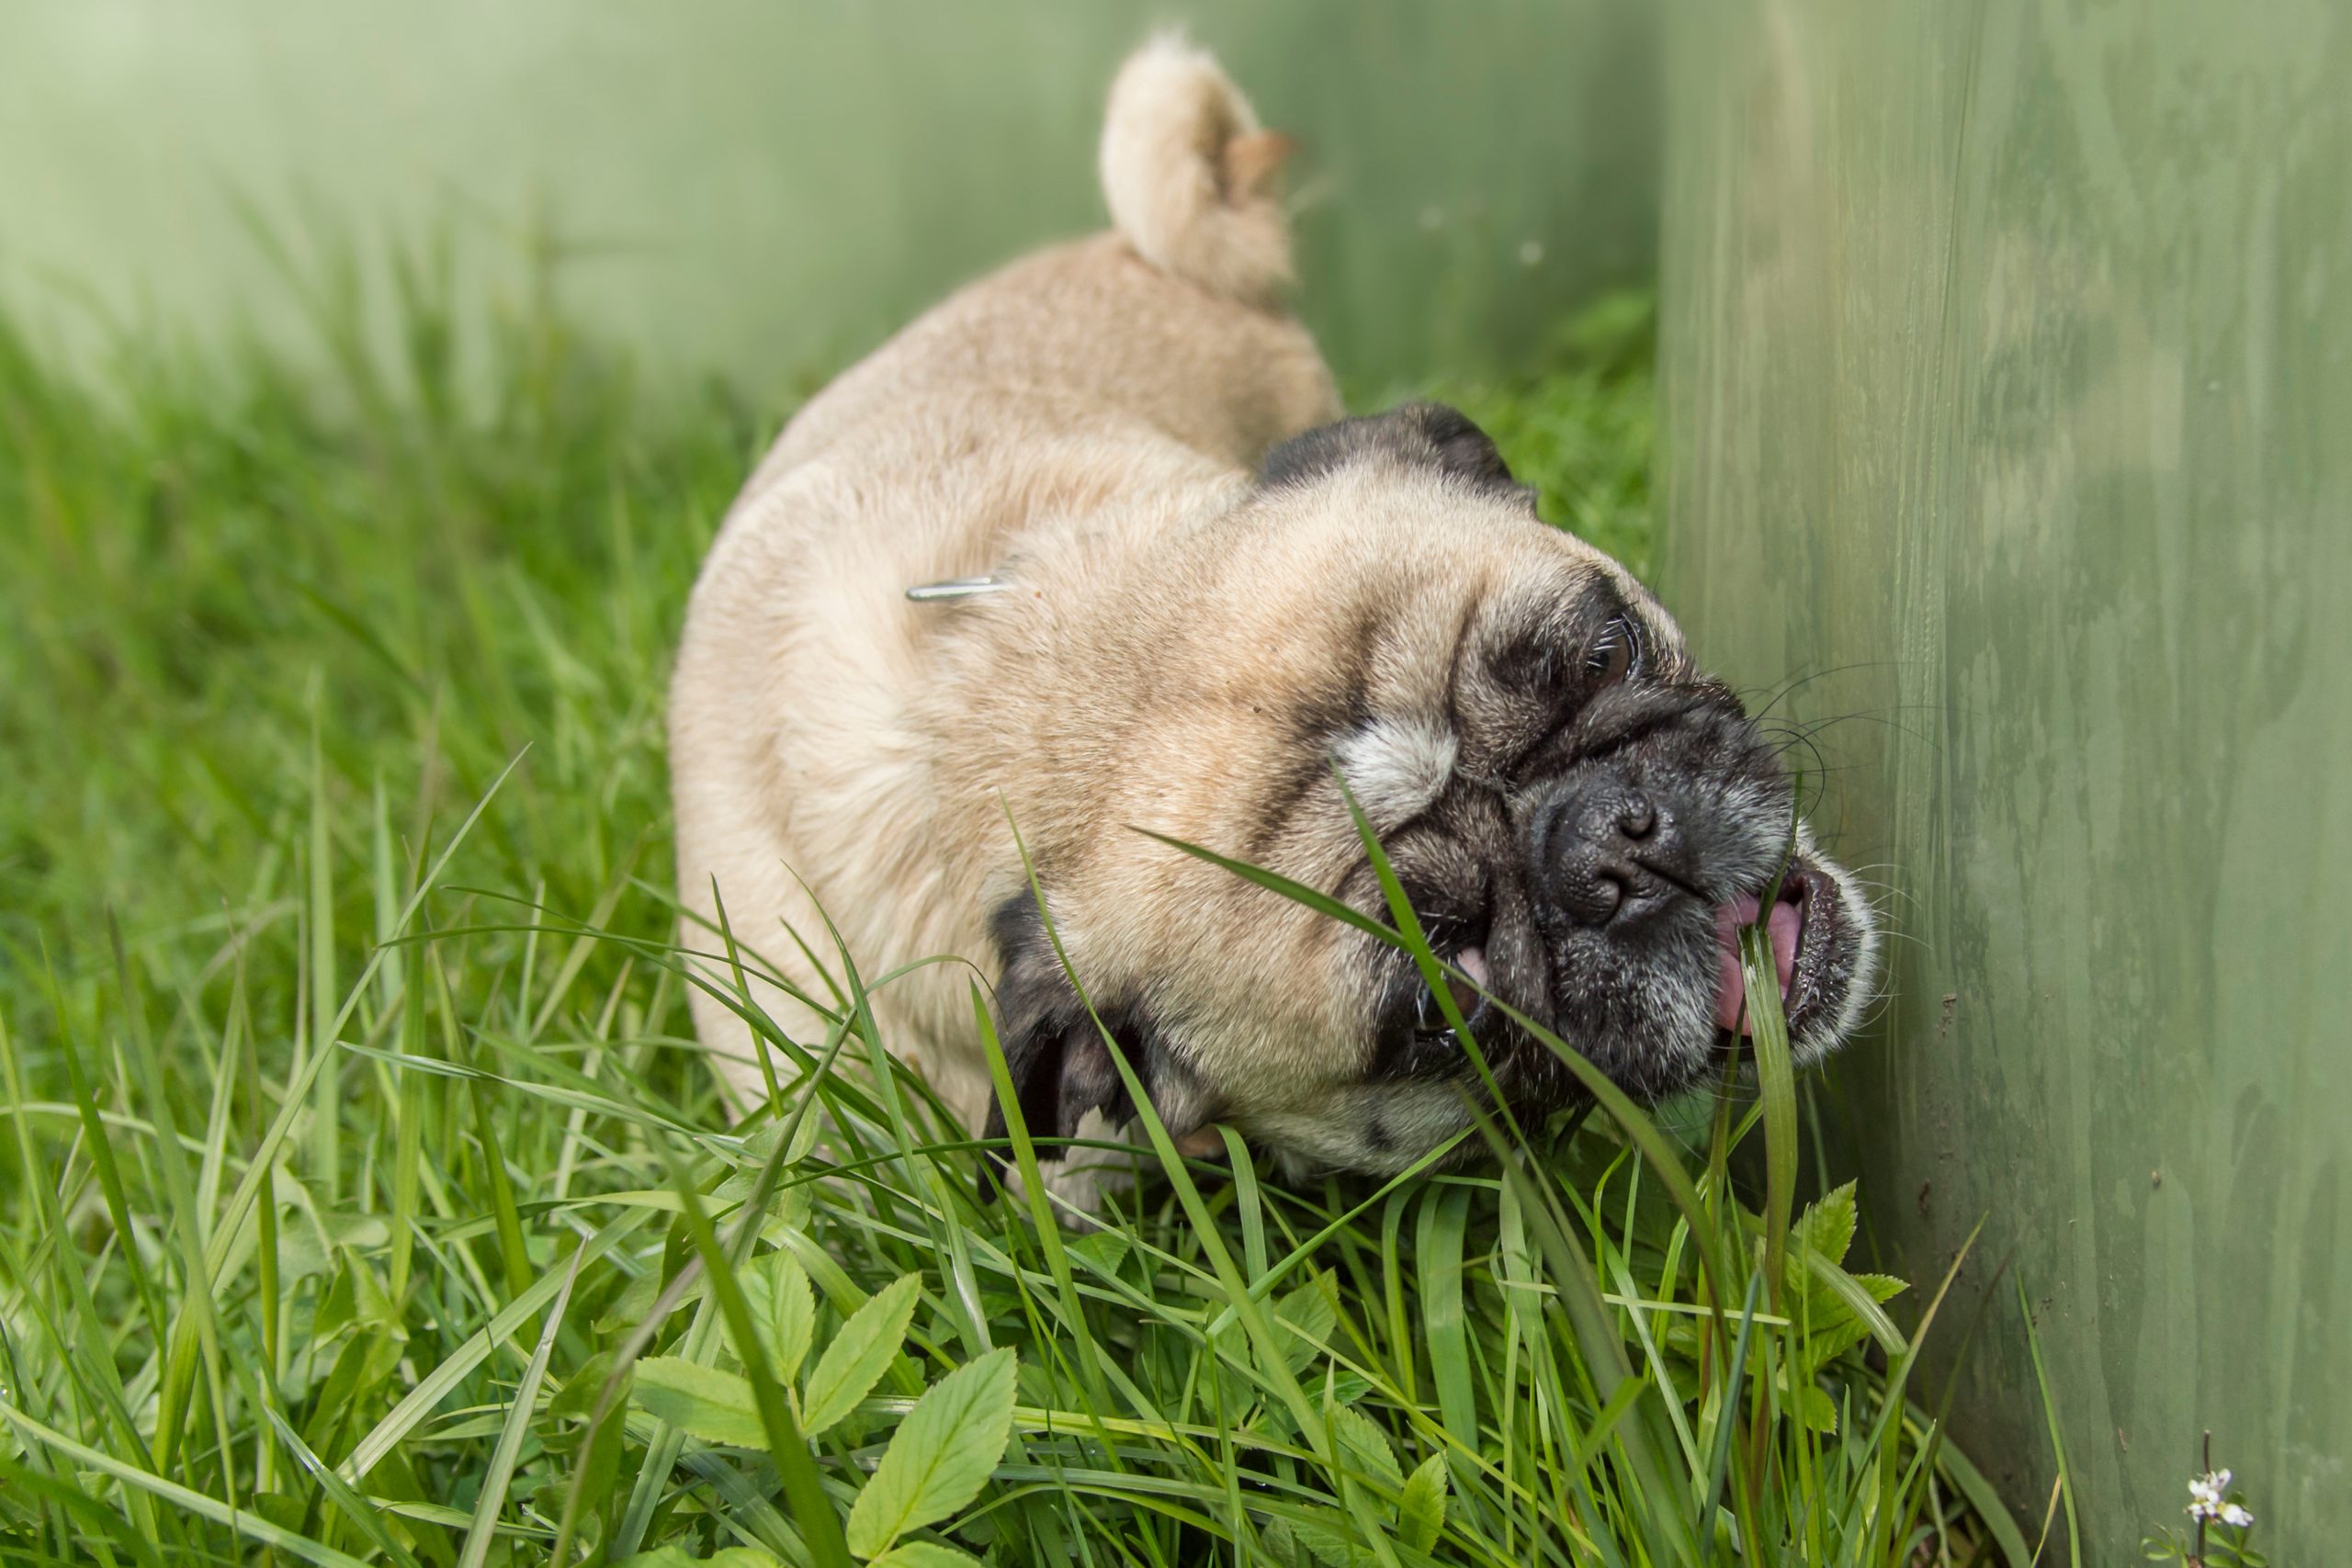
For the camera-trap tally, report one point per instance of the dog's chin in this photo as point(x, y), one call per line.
point(1374, 1130)
point(1824, 946)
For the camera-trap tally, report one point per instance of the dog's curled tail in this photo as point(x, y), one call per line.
point(1190, 176)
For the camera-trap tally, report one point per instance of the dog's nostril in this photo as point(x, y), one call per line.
point(1593, 898)
point(1609, 896)
point(1637, 821)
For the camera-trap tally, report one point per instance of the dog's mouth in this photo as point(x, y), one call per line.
point(1804, 926)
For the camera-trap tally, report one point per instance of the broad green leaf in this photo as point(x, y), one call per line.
point(1329, 1537)
point(1236, 1390)
point(576, 1399)
point(714, 1405)
point(660, 1557)
point(741, 1557)
point(1364, 1447)
point(784, 1310)
point(1819, 1412)
point(858, 1356)
point(1810, 1403)
point(1304, 1320)
point(1835, 1332)
point(1103, 1251)
point(1421, 1513)
point(635, 1305)
point(940, 1456)
point(1827, 1227)
point(597, 1460)
point(924, 1555)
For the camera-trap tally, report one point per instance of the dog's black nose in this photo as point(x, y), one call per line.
point(1606, 851)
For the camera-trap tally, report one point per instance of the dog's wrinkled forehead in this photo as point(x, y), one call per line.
point(1452, 577)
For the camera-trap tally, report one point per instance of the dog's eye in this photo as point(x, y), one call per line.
point(1428, 1017)
point(1614, 653)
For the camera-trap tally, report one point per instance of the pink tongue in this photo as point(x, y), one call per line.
point(1731, 988)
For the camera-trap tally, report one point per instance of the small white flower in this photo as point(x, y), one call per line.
point(2207, 1501)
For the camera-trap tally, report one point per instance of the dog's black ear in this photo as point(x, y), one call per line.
point(1420, 434)
point(1059, 1063)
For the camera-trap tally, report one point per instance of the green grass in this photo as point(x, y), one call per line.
point(363, 1196)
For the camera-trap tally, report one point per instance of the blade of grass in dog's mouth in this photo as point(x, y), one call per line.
point(1785, 928)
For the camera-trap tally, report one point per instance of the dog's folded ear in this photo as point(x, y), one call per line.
point(1428, 435)
point(1059, 1063)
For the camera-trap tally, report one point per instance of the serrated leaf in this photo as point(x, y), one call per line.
point(1830, 1339)
point(1364, 1447)
point(1827, 1227)
point(1329, 1537)
point(714, 1405)
point(1420, 1512)
point(784, 1310)
point(858, 1356)
point(924, 1555)
point(1817, 1409)
point(940, 1456)
point(1832, 1329)
point(1881, 1287)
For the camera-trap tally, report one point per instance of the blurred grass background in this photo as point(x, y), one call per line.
point(756, 189)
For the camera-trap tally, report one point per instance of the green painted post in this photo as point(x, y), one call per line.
point(2008, 372)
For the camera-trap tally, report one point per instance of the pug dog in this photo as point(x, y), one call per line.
point(1089, 550)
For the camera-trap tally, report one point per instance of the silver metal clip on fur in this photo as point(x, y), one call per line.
point(956, 587)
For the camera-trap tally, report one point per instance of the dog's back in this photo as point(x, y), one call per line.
point(1094, 384)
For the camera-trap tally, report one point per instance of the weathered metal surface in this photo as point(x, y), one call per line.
point(2008, 384)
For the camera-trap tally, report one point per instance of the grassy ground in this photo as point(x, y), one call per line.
point(362, 1197)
